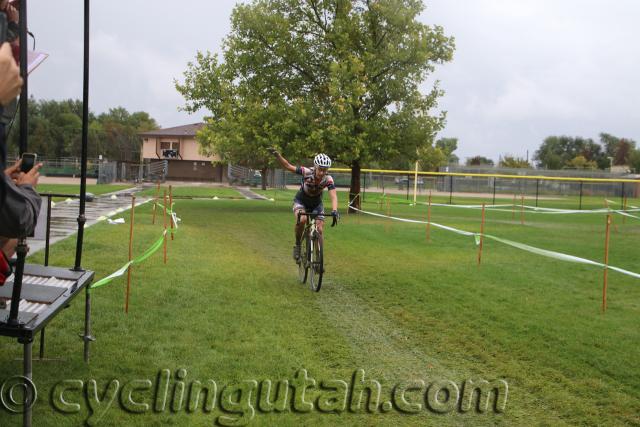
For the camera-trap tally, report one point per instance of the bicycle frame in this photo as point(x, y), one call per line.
point(311, 255)
point(310, 227)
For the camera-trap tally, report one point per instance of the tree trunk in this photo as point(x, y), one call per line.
point(354, 190)
point(263, 171)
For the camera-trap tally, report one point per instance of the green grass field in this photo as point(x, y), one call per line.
point(228, 307)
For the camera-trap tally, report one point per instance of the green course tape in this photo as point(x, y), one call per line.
point(139, 259)
point(169, 210)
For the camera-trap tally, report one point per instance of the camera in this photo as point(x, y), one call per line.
point(28, 161)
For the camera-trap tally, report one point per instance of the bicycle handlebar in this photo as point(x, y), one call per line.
point(315, 215)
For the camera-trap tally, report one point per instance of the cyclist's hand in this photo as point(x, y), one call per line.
point(272, 150)
point(336, 218)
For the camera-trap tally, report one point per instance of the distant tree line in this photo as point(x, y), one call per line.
point(565, 152)
point(55, 130)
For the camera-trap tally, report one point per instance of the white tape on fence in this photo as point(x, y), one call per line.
point(539, 210)
point(532, 249)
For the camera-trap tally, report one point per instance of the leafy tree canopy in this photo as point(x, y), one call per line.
point(479, 161)
point(333, 76)
point(55, 130)
point(557, 152)
point(580, 162)
point(509, 161)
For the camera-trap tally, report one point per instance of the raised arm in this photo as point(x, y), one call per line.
point(285, 164)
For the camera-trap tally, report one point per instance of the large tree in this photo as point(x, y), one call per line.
point(343, 75)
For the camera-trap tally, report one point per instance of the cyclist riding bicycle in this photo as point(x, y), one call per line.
point(309, 197)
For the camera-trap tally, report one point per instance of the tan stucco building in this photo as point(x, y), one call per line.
point(178, 146)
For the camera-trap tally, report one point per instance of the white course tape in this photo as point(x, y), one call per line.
point(538, 251)
point(415, 221)
point(560, 256)
point(540, 210)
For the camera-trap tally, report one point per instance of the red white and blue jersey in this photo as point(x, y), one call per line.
point(310, 192)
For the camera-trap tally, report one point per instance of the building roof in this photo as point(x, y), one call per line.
point(185, 130)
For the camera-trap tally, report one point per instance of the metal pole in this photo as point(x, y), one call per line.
point(87, 337)
point(24, 94)
point(42, 343)
point(21, 250)
point(47, 237)
point(28, 374)
point(450, 189)
point(537, 191)
point(580, 207)
point(364, 190)
point(408, 179)
point(85, 140)
point(494, 190)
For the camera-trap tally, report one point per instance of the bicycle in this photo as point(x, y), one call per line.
point(311, 253)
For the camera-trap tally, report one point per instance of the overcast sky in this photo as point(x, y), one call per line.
point(522, 69)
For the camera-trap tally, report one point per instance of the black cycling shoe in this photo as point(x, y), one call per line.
point(296, 253)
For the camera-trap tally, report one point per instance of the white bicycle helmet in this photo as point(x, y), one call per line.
point(322, 160)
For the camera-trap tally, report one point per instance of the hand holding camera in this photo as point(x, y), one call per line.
point(24, 171)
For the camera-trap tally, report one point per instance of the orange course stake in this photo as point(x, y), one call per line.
point(522, 210)
point(481, 237)
point(429, 219)
point(513, 212)
point(165, 227)
point(624, 209)
point(171, 209)
point(606, 264)
point(133, 205)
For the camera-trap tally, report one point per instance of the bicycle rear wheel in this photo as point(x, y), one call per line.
point(317, 267)
point(303, 262)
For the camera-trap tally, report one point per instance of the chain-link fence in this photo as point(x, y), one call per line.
point(68, 167)
point(490, 184)
point(473, 182)
point(107, 172)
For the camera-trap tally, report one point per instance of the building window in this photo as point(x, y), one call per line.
point(170, 149)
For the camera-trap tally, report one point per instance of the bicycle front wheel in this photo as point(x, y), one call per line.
point(317, 267)
point(303, 262)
